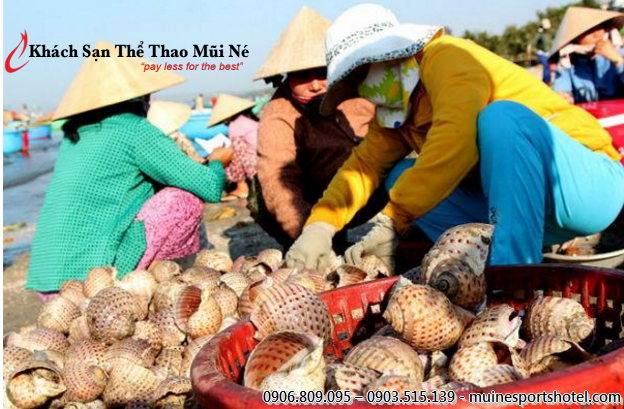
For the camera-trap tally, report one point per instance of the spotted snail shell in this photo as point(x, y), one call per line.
point(456, 262)
point(550, 353)
point(141, 284)
point(388, 356)
point(374, 267)
point(84, 382)
point(130, 383)
point(208, 277)
point(58, 314)
point(271, 257)
point(43, 339)
point(346, 275)
point(13, 357)
point(86, 350)
point(173, 392)
point(247, 299)
point(227, 300)
point(277, 352)
point(73, 290)
point(319, 280)
point(470, 362)
point(425, 318)
point(282, 274)
point(149, 331)
point(96, 404)
point(165, 270)
point(236, 281)
point(34, 383)
point(348, 377)
point(494, 324)
point(170, 359)
point(396, 383)
point(559, 316)
point(499, 374)
point(304, 281)
point(98, 279)
point(111, 315)
point(290, 307)
point(170, 333)
point(191, 351)
point(79, 329)
point(133, 351)
point(214, 259)
point(166, 294)
point(306, 372)
point(207, 319)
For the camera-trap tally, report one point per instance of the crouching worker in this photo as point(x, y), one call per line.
point(299, 150)
point(243, 132)
point(590, 57)
point(495, 145)
point(122, 192)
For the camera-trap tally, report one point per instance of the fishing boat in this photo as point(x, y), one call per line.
point(20, 136)
point(195, 127)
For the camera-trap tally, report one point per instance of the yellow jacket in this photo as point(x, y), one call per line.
point(458, 78)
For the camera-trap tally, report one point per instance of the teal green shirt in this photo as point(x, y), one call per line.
point(98, 186)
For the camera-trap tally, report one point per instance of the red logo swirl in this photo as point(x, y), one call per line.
point(7, 64)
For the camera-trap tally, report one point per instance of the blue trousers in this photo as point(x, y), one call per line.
point(543, 60)
point(538, 186)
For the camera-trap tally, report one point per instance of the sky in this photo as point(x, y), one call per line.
point(182, 23)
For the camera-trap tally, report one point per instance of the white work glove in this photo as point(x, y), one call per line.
point(312, 248)
point(381, 242)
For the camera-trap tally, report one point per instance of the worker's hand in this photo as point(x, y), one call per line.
point(567, 96)
point(381, 241)
point(610, 52)
point(312, 248)
point(223, 155)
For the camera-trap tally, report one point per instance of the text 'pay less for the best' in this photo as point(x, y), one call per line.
point(191, 67)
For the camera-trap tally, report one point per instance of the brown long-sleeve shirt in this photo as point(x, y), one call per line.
point(299, 152)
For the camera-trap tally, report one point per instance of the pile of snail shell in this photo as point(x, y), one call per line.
point(440, 335)
point(112, 341)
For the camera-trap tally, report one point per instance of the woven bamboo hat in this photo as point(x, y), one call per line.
point(301, 46)
point(578, 20)
point(111, 80)
point(227, 106)
point(168, 116)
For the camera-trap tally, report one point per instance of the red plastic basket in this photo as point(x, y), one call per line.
point(611, 113)
point(355, 312)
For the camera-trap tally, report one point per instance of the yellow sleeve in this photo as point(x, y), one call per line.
point(459, 88)
point(360, 176)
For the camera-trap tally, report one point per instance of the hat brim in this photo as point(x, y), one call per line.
point(395, 43)
point(553, 55)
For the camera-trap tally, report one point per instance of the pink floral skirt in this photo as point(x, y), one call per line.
point(244, 162)
point(172, 219)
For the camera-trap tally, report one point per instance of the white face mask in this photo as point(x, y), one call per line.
point(389, 85)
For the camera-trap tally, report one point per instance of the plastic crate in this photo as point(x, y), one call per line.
point(355, 312)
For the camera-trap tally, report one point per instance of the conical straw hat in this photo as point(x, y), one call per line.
point(111, 80)
point(227, 106)
point(168, 116)
point(301, 46)
point(579, 20)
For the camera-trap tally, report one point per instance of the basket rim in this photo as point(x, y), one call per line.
point(216, 384)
